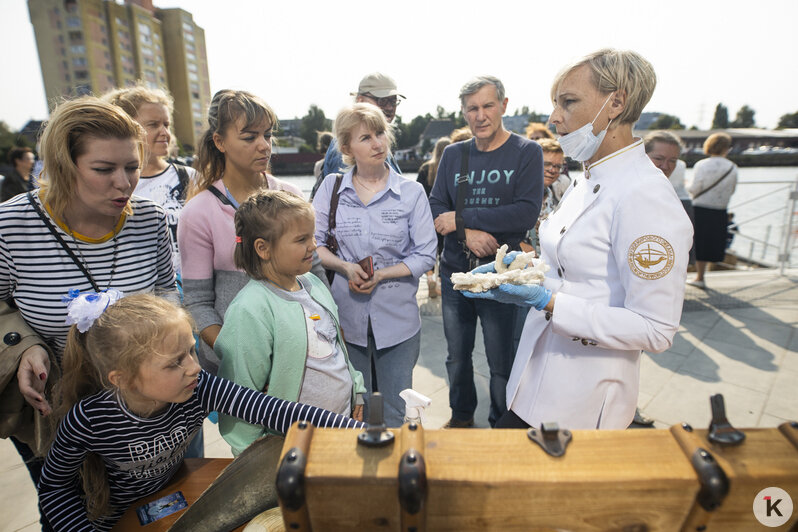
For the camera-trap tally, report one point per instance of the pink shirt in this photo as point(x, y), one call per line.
point(206, 234)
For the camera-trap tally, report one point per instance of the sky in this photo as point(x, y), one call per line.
point(302, 52)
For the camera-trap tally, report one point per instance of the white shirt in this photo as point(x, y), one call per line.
point(705, 173)
point(618, 247)
point(165, 189)
point(677, 180)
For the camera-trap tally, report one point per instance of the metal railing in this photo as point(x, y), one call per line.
point(785, 243)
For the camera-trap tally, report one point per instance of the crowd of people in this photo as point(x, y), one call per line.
point(185, 291)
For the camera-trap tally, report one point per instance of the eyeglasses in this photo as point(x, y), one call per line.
point(552, 167)
point(388, 101)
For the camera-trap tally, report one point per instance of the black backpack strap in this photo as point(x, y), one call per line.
point(465, 152)
point(182, 176)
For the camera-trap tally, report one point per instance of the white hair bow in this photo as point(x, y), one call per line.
point(84, 308)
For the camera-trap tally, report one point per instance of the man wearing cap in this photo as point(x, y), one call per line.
point(377, 89)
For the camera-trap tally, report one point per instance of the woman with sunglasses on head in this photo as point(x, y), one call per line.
point(617, 246)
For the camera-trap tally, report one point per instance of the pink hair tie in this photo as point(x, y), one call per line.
point(238, 239)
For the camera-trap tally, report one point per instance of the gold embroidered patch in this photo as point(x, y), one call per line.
point(650, 257)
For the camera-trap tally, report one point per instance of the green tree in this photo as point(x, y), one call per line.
point(721, 118)
point(312, 122)
point(789, 120)
point(8, 139)
point(744, 118)
point(408, 134)
point(664, 121)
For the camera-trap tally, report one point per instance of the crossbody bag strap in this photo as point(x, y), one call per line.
point(336, 194)
point(462, 179)
point(60, 240)
point(710, 187)
point(221, 197)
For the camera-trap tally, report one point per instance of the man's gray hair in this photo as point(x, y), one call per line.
point(476, 83)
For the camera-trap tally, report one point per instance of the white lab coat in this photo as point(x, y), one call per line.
point(618, 247)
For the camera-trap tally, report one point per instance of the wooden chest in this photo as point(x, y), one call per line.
point(471, 479)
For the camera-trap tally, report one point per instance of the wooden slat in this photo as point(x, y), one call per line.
point(194, 476)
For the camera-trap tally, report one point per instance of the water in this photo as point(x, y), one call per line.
point(762, 219)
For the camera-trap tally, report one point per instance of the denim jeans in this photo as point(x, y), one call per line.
point(388, 371)
point(459, 325)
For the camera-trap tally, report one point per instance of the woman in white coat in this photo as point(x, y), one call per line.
point(617, 246)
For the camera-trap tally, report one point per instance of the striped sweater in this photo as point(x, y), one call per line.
point(36, 271)
point(142, 454)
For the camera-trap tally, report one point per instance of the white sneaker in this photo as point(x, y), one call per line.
point(698, 284)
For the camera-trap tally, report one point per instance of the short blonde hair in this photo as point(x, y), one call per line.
point(617, 71)
point(550, 146)
point(717, 144)
point(461, 134)
point(266, 214)
point(71, 125)
point(351, 117)
point(662, 136)
point(537, 127)
point(132, 98)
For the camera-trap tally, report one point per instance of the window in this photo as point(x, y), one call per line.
point(187, 26)
point(190, 47)
point(145, 39)
point(189, 37)
point(122, 34)
point(120, 22)
point(78, 49)
point(192, 67)
point(61, 39)
point(144, 29)
point(195, 95)
point(191, 56)
point(157, 47)
point(73, 22)
point(192, 76)
point(81, 74)
point(148, 61)
point(79, 61)
point(195, 106)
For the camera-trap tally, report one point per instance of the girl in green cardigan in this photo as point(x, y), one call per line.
point(281, 332)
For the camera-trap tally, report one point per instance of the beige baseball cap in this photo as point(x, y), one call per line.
point(377, 84)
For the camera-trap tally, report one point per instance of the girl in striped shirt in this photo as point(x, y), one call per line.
point(131, 398)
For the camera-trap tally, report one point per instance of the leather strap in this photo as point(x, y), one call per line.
point(336, 194)
point(462, 179)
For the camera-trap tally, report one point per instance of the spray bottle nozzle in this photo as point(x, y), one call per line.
point(415, 404)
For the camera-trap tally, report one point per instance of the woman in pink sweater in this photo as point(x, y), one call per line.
point(233, 162)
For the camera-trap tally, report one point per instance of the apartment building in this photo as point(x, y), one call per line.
point(91, 46)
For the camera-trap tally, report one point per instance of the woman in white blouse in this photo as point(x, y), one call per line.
point(714, 180)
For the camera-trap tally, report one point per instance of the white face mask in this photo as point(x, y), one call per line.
point(582, 144)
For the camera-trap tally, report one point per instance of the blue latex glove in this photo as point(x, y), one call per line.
point(491, 266)
point(521, 295)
